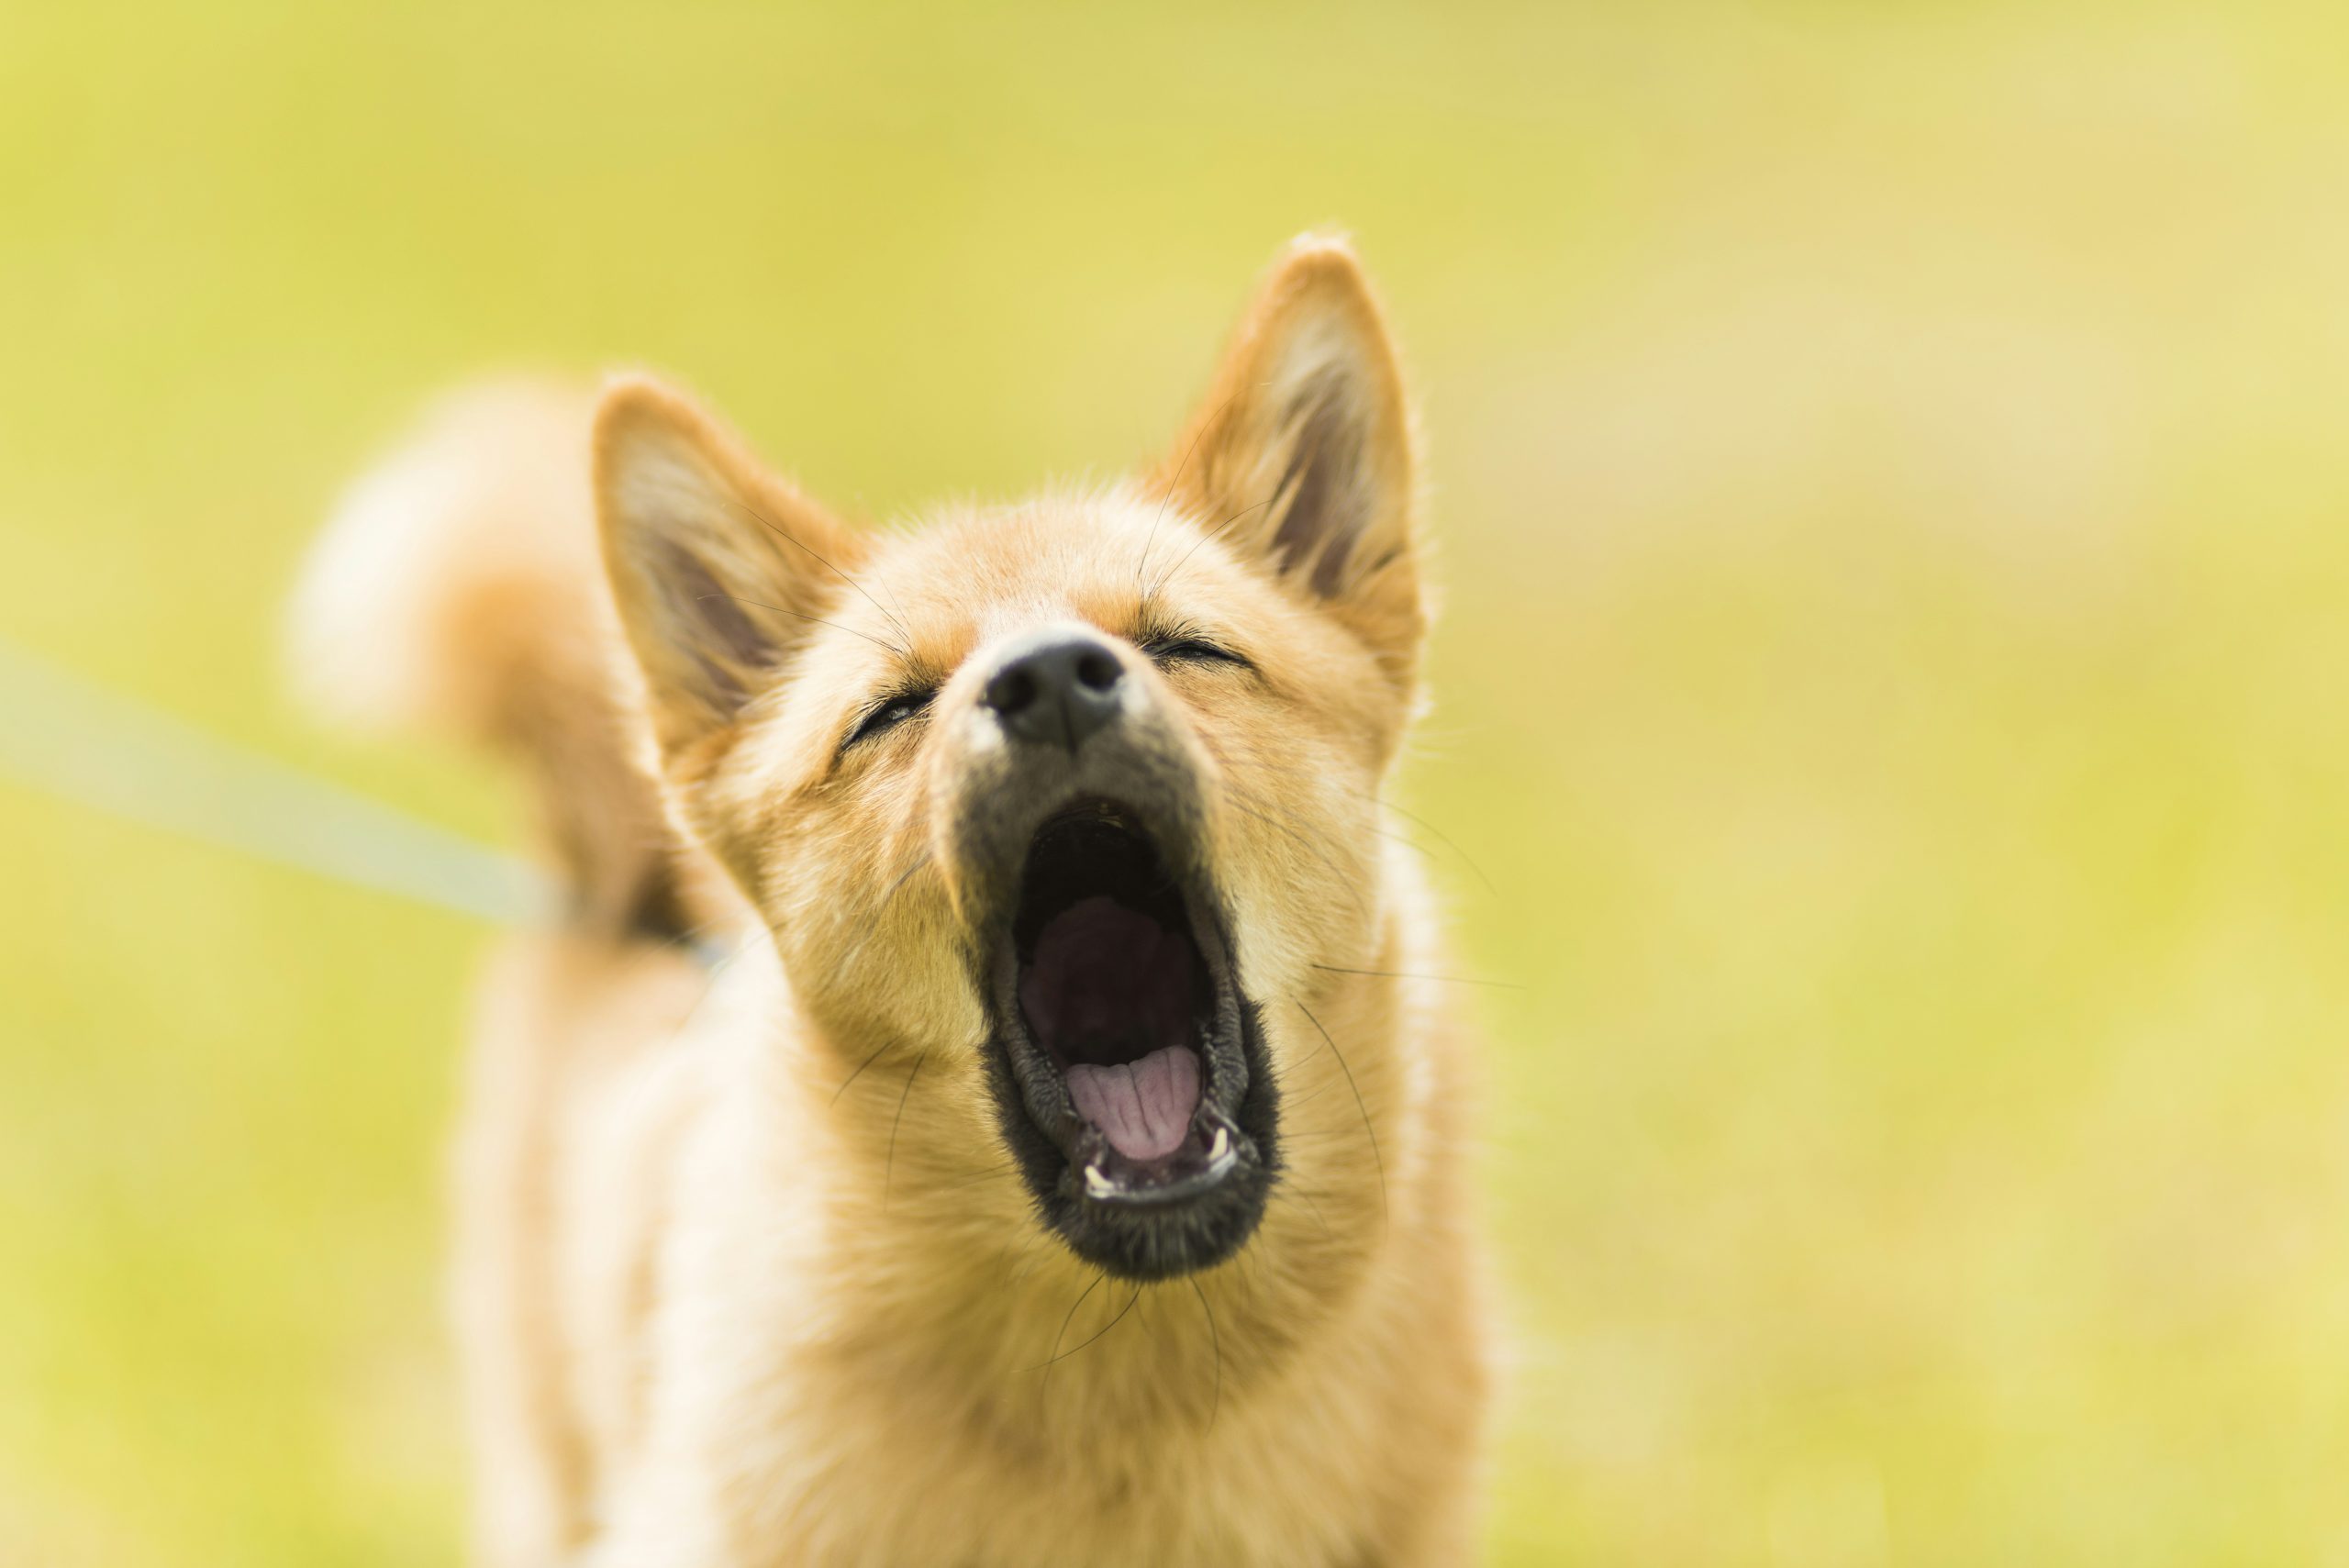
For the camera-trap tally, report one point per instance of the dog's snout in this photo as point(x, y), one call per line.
point(1056, 689)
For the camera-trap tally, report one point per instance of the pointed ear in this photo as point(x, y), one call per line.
point(718, 567)
point(1303, 449)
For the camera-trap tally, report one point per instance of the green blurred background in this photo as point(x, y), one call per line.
point(1891, 474)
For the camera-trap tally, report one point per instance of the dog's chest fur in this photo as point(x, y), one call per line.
point(844, 1384)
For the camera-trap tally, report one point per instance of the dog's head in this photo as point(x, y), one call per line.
point(1058, 801)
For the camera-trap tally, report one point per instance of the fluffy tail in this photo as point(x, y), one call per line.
point(459, 590)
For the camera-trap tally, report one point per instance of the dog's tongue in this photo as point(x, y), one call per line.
point(1143, 1107)
point(1107, 991)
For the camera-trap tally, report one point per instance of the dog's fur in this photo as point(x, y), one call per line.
point(755, 1267)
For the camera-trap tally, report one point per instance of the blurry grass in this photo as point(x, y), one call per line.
point(1891, 475)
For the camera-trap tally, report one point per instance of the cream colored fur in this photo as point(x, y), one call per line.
point(743, 1274)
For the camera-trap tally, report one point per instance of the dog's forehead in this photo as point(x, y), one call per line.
point(966, 576)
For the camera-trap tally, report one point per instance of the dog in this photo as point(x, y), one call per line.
point(985, 1100)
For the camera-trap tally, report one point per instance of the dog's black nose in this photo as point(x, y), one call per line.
point(1055, 688)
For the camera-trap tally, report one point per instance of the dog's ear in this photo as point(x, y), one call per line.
point(718, 567)
point(1302, 449)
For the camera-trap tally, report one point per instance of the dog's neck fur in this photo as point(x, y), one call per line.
point(1038, 1349)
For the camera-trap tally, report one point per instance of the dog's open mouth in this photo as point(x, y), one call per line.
point(1126, 1035)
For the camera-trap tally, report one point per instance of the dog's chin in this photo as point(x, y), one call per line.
point(1129, 1069)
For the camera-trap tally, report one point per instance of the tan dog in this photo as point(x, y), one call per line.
point(1062, 1164)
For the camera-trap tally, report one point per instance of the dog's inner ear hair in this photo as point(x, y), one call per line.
point(732, 644)
point(1325, 499)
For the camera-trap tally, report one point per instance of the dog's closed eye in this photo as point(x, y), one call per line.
point(889, 712)
point(1185, 646)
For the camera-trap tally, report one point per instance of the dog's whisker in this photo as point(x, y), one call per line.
point(791, 539)
point(1322, 855)
point(709, 985)
point(1441, 979)
point(1168, 575)
point(1377, 1159)
point(1148, 1327)
point(1404, 839)
point(1141, 561)
point(1315, 1134)
point(889, 1171)
point(837, 625)
point(1255, 757)
point(1250, 1258)
point(699, 929)
point(1442, 838)
point(1053, 1358)
point(1314, 1206)
point(1215, 1343)
point(879, 1052)
point(872, 922)
point(975, 1178)
point(1097, 1333)
point(1266, 803)
point(921, 862)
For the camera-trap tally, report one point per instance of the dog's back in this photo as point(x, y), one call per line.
point(458, 592)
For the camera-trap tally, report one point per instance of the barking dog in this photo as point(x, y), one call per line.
point(1059, 1161)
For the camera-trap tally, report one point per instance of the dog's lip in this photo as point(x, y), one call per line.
point(1215, 1146)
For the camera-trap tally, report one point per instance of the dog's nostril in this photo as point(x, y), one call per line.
point(1097, 669)
point(1012, 690)
point(1056, 689)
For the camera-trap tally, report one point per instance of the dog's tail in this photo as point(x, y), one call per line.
point(459, 590)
